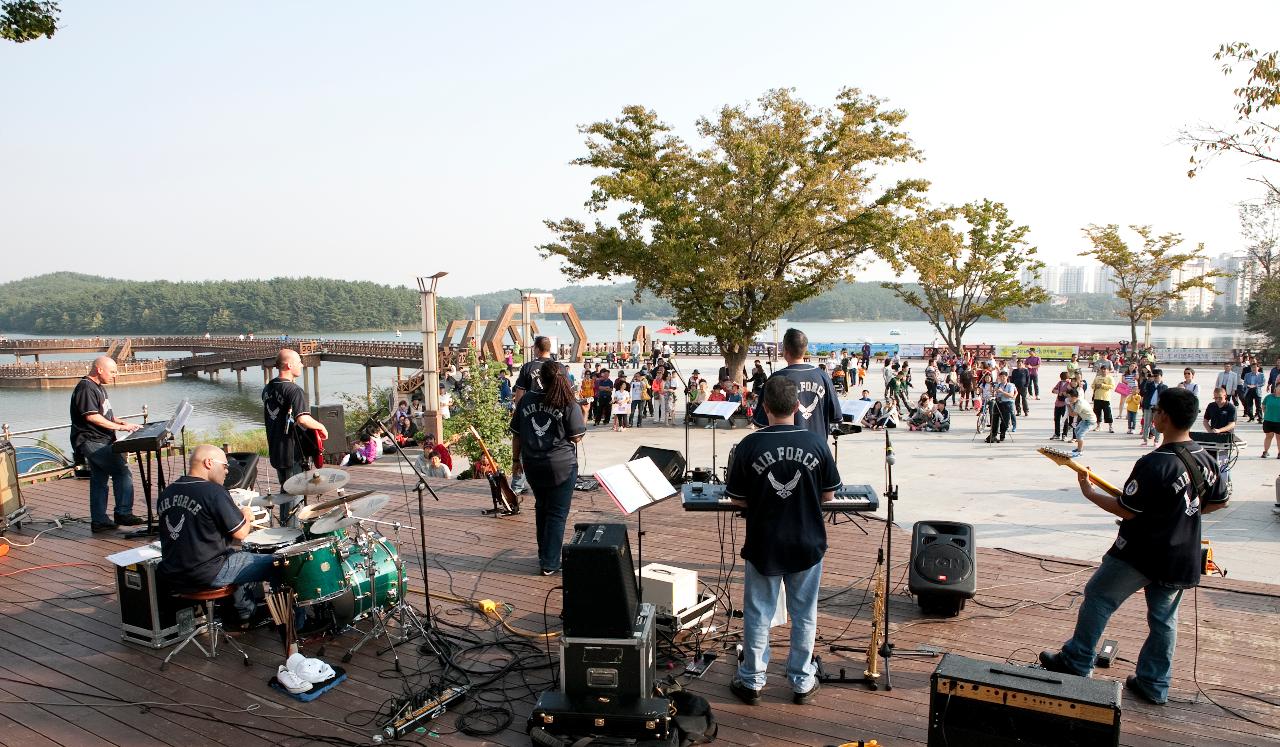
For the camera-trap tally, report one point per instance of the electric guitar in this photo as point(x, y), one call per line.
point(505, 500)
point(1064, 458)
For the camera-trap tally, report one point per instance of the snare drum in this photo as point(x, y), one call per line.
point(270, 540)
point(313, 570)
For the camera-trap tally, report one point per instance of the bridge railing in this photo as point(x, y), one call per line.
point(72, 368)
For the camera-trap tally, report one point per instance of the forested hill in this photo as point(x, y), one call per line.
point(70, 303)
point(67, 303)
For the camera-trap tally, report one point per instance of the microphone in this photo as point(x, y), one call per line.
point(888, 450)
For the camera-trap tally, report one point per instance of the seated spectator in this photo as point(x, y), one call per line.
point(940, 420)
point(866, 396)
point(433, 467)
point(363, 451)
point(717, 394)
point(429, 446)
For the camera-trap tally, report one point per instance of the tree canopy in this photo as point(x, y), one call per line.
point(27, 20)
point(1264, 313)
point(966, 274)
point(778, 206)
point(1253, 134)
point(1144, 275)
point(1260, 226)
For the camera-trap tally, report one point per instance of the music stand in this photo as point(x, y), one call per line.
point(722, 410)
point(633, 486)
point(173, 425)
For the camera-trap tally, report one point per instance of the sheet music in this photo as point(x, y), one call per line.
point(136, 555)
point(854, 409)
point(636, 484)
point(717, 409)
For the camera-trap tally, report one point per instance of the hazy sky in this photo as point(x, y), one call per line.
point(379, 141)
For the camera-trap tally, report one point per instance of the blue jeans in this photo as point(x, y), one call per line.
point(760, 599)
point(1114, 582)
point(1148, 427)
point(282, 475)
point(550, 511)
point(105, 465)
point(243, 568)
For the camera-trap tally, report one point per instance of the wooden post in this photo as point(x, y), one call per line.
point(315, 375)
point(368, 385)
point(240, 378)
point(306, 389)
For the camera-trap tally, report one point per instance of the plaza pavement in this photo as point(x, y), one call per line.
point(1015, 498)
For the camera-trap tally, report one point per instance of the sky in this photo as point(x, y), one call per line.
point(229, 140)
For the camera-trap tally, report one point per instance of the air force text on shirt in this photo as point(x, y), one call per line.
point(785, 454)
point(188, 504)
point(816, 388)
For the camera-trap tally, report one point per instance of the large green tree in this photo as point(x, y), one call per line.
point(1260, 226)
point(776, 206)
point(1253, 134)
point(966, 272)
point(1263, 316)
point(26, 20)
point(1145, 274)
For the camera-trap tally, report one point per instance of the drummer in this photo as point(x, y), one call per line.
point(198, 521)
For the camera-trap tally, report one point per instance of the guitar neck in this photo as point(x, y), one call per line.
point(1112, 489)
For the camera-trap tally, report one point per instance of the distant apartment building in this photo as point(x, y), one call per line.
point(1243, 276)
point(1072, 279)
point(1105, 280)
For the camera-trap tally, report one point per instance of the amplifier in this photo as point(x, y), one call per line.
point(12, 508)
point(599, 582)
point(974, 703)
point(667, 588)
point(600, 671)
point(333, 420)
point(147, 617)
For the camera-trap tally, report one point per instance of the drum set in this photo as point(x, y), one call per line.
point(331, 557)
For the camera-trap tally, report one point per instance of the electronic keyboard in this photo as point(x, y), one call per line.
point(701, 496)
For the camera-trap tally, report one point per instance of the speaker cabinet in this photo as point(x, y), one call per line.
point(333, 420)
point(242, 470)
point(669, 462)
point(944, 568)
point(12, 507)
point(600, 598)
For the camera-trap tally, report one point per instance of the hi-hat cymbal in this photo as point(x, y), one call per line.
point(366, 507)
point(280, 499)
point(316, 481)
point(316, 510)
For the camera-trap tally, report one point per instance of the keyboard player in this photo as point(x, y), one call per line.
point(93, 429)
point(780, 476)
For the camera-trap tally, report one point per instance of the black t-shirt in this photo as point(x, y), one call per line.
point(1163, 540)
point(197, 519)
point(819, 406)
point(781, 471)
point(88, 398)
point(282, 402)
point(545, 449)
point(1220, 417)
point(528, 379)
point(604, 387)
point(1020, 377)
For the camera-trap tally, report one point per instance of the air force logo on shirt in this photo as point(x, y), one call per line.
point(784, 489)
point(818, 390)
point(540, 432)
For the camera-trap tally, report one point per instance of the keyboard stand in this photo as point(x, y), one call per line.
point(144, 476)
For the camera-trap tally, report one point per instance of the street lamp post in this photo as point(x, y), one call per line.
point(619, 301)
point(430, 356)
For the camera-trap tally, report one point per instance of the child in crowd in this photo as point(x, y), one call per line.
point(621, 407)
point(1132, 404)
point(1084, 418)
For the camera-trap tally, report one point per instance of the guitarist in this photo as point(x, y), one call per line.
point(1157, 549)
point(291, 431)
point(546, 427)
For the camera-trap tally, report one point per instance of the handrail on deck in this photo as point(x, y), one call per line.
point(8, 434)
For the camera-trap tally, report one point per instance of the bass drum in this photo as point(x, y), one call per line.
point(375, 580)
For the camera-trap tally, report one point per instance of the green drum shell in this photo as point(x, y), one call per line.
point(313, 570)
point(388, 584)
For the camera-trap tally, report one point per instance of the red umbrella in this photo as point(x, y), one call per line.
point(668, 330)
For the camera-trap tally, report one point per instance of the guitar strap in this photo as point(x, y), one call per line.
point(1194, 469)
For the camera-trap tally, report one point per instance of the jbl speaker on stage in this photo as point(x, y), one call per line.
point(599, 582)
point(333, 420)
point(669, 462)
point(992, 704)
point(242, 470)
point(944, 568)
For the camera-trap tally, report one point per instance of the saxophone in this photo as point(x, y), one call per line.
point(872, 673)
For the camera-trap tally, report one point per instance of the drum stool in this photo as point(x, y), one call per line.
point(211, 625)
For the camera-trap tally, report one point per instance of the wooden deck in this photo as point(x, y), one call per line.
point(60, 645)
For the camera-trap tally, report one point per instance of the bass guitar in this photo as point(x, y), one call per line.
point(1065, 459)
point(505, 500)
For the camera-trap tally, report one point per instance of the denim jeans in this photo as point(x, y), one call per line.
point(283, 475)
point(1114, 582)
point(760, 599)
point(1059, 415)
point(1148, 427)
point(105, 465)
point(550, 510)
point(243, 568)
point(1033, 384)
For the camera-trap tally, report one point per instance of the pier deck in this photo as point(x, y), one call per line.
point(60, 645)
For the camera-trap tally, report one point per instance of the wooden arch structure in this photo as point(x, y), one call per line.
point(538, 304)
point(472, 328)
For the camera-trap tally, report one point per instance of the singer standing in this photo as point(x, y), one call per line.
point(546, 426)
point(287, 417)
point(818, 406)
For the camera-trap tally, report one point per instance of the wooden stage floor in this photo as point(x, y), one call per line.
point(60, 646)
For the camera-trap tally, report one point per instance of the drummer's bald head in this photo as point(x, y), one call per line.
point(208, 463)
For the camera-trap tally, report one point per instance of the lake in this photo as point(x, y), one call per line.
point(221, 401)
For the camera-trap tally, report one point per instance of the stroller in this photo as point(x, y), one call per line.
point(1225, 447)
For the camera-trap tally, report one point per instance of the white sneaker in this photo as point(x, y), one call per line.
point(308, 670)
point(291, 681)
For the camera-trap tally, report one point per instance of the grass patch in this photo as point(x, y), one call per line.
point(252, 440)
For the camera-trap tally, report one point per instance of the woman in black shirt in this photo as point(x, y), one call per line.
point(546, 426)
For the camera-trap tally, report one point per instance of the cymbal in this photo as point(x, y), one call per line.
point(316, 481)
point(279, 499)
point(366, 507)
point(316, 510)
point(334, 521)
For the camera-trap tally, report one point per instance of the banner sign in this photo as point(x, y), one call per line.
point(855, 348)
point(911, 351)
point(1193, 355)
point(1047, 352)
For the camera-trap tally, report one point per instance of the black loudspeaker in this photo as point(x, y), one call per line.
point(12, 507)
point(988, 704)
point(333, 420)
point(242, 470)
point(600, 598)
point(669, 462)
point(944, 569)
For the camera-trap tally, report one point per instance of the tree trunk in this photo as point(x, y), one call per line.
point(735, 356)
point(1133, 335)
